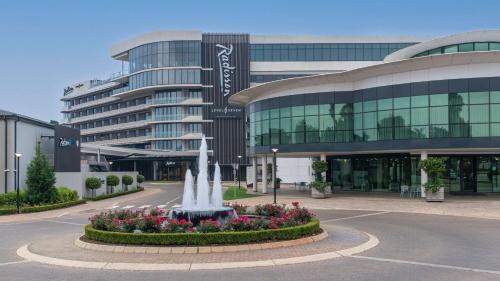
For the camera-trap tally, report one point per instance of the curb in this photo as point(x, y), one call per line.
point(198, 250)
point(25, 253)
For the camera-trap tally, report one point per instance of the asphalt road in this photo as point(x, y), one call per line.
point(412, 247)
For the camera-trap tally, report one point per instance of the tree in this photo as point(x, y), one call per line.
point(40, 180)
point(126, 181)
point(140, 179)
point(93, 183)
point(112, 181)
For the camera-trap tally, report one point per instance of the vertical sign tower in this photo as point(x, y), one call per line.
point(226, 71)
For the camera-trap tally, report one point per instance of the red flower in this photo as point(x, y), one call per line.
point(295, 204)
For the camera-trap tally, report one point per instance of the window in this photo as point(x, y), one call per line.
point(446, 115)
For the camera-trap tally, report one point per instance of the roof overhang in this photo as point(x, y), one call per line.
point(308, 84)
point(473, 36)
point(120, 51)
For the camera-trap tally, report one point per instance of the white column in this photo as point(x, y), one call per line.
point(322, 157)
point(254, 173)
point(423, 174)
point(264, 174)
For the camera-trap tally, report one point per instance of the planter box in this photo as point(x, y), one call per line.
point(435, 196)
point(321, 195)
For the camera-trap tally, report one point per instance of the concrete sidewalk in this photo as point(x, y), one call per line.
point(487, 207)
point(89, 206)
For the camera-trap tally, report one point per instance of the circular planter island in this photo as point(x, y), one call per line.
point(269, 223)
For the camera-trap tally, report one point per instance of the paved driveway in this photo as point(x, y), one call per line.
point(412, 247)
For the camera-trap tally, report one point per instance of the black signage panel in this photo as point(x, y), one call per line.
point(67, 149)
point(226, 71)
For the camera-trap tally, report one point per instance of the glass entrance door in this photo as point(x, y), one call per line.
point(468, 175)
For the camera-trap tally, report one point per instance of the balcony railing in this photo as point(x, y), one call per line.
point(99, 82)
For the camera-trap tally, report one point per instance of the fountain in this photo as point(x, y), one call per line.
point(205, 206)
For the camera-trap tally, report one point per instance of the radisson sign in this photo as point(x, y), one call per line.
point(225, 68)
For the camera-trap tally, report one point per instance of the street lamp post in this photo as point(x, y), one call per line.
point(274, 172)
point(239, 171)
point(16, 179)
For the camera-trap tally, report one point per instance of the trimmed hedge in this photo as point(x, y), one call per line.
point(107, 196)
point(214, 238)
point(41, 208)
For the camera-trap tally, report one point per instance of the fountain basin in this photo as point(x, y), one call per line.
point(222, 215)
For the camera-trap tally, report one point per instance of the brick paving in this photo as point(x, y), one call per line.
point(487, 206)
point(63, 247)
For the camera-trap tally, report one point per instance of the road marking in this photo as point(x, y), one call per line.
point(427, 264)
point(171, 201)
point(65, 222)
point(14, 262)
point(355, 217)
point(25, 253)
point(63, 214)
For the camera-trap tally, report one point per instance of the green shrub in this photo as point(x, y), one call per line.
point(9, 198)
point(112, 181)
point(93, 183)
point(434, 167)
point(41, 208)
point(126, 181)
point(40, 180)
point(288, 233)
point(140, 178)
point(65, 194)
point(233, 192)
point(116, 194)
point(319, 167)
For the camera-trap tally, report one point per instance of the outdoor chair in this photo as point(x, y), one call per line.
point(404, 191)
point(416, 191)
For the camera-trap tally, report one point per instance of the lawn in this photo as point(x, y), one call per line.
point(233, 192)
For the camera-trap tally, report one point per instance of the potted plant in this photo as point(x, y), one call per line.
point(111, 182)
point(93, 183)
point(434, 189)
point(320, 188)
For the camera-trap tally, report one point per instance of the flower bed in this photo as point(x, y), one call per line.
point(153, 228)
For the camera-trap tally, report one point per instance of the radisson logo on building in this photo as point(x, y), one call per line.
point(225, 68)
point(63, 142)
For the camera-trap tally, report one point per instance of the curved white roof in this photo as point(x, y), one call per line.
point(119, 49)
point(456, 65)
point(466, 37)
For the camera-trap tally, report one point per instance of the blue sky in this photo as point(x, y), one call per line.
point(47, 45)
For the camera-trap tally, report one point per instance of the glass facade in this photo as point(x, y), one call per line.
point(175, 96)
point(387, 173)
point(447, 115)
point(374, 173)
point(165, 54)
point(177, 145)
point(175, 112)
point(324, 51)
point(273, 77)
point(175, 130)
point(459, 48)
point(164, 77)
